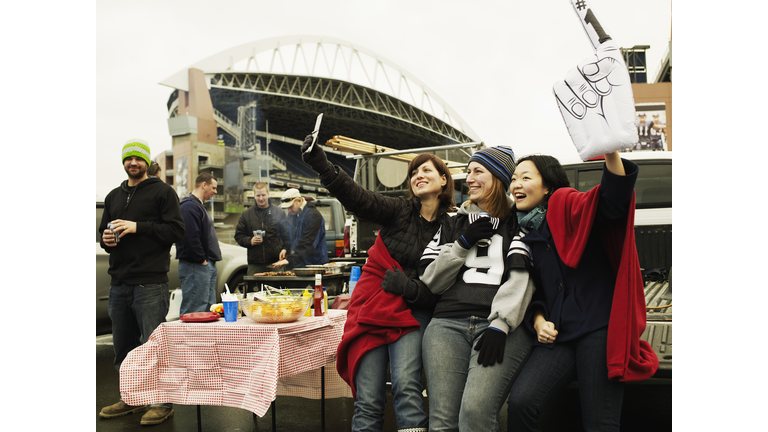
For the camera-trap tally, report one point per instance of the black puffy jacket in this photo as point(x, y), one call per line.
point(404, 232)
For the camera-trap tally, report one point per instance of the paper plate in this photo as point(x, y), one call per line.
point(200, 317)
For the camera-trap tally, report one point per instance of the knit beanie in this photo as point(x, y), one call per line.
point(136, 147)
point(500, 161)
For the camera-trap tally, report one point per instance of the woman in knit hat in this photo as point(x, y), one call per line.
point(473, 346)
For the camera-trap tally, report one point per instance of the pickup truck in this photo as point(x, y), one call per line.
point(335, 218)
point(653, 236)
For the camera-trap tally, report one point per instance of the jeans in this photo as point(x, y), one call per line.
point(136, 310)
point(198, 286)
point(549, 371)
point(404, 357)
point(464, 395)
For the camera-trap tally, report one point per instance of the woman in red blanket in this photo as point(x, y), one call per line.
point(588, 311)
point(390, 307)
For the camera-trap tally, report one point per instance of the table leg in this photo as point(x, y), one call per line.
point(322, 397)
point(199, 424)
point(274, 418)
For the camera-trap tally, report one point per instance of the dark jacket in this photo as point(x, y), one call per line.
point(578, 300)
point(273, 222)
point(404, 232)
point(200, 242)
point(308, 244)
point(144, 256)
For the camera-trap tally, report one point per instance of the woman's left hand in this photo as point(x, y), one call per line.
point(546, 333)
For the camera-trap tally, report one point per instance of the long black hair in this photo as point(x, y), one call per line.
point(553, 175)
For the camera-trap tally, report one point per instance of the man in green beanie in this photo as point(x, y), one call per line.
point(141, 221)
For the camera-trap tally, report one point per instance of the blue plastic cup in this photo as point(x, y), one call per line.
point(230, 310)
point(355, 274)
point(353, 277)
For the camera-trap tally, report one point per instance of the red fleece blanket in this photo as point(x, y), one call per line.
point(570, 216)
point(375, 317)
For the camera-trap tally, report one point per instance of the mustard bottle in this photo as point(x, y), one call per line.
point(304, 295)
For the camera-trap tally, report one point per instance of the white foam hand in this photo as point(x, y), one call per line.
point(595, 98)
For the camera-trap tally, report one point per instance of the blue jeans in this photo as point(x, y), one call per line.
point(198, 286)
point(464, 395)
point(404, 357)
point(135, 311)
point(549, 371)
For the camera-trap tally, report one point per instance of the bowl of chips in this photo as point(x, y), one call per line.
point(276, 309)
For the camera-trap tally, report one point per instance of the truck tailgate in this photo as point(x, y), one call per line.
point(658, 330)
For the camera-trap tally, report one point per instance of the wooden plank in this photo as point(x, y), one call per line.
point(351, 145)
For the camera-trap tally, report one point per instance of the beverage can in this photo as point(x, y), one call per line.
point(117, 239)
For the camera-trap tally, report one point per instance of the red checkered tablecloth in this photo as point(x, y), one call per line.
point(243, 364)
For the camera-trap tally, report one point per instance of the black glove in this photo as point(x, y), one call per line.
point(477, 230)
point(396, 282)
point(491, 347)
point(316, 158)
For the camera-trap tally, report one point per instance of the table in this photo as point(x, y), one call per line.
point(242, 364)
point(333, 282)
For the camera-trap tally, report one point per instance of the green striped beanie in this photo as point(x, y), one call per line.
point(136, 147)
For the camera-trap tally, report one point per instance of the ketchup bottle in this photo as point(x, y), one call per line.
point(318, 296)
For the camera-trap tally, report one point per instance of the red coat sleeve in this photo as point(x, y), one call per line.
point(570, 216)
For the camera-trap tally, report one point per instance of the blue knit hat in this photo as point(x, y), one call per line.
point(500, 161)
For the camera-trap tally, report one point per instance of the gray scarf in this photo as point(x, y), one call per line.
point(534, 219)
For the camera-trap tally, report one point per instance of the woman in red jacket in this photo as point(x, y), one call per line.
point(589, 309)
point(390, 307)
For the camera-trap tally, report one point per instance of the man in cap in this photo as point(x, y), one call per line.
point(275, 238)
point(307, 232)
point(199, 250)
point(141, 221)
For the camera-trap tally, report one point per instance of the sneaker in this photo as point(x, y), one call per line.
point(156, 415)
point(120, 409)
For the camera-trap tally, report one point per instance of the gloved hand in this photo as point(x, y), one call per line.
point(316, 158)
point(491, 346)
point(397, 282)
point(477, 230)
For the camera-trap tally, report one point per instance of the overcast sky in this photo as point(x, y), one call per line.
point(493, 62)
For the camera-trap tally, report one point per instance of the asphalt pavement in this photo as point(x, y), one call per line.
point(647, 406)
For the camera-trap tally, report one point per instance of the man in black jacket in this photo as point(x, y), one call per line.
point(271, 221)
point(199, 250)
point(141, 221)
point(307, 232)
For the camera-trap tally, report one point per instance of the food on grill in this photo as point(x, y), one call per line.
point(276, 273)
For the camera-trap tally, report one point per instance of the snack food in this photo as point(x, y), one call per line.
point(275, 309)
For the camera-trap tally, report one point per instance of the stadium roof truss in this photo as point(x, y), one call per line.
point(335, 92)
point(329, 71)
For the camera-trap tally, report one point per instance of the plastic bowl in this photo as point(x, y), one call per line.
point(276, 309)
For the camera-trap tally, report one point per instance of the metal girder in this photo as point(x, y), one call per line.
point(363, 103)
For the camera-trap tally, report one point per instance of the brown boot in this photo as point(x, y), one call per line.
point(156, 415)
point(120, 409)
